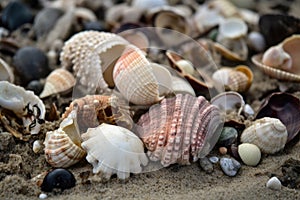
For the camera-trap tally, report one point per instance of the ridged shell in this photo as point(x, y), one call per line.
point(180, 129)
point(135, 79)
point(60, 80)
point(6, 73)
point(269, 134)
point(92, 55)
point(63, 146)
point(114, 150)
point(93, 110)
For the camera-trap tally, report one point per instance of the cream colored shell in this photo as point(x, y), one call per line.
point(269, 134)
point(6, 73)
point(114, 150)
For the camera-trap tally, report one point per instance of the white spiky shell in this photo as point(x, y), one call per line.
point(63, 146)
point(269, 134)
point(135, 79)
point(60, 80)
point(16, 99)
point(114, 150)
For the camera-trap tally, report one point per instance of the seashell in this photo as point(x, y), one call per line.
point(93, 110)
point(137, 38)
point(235, 50)
point(24, 104)
point(37, 146)
point(249, 153)
point(238, 79)
point(6, 73)
point(249, 16)
point(114, 150)
point(15, 14)
point(92, 55)
point(268, 134)
point(59, 80)
point(224, 7)
point(31, 63)
point(232, 28)
point(144, 88)
point(227, 101)
point(146, 4)
point(281, 61)
point(286, 108)
point(274, 183)
point(180, 129)
point(63, 146)
point(179, 85)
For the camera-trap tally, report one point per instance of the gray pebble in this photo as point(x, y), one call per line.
point(230, 166)
point(214, 159)
point(206, 165)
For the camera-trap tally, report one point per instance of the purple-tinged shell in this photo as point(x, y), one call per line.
point(284, 107)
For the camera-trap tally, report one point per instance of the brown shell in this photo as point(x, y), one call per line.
point(93, 110)
point(180, 129)
point(241, 79)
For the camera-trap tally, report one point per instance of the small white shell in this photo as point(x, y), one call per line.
point(274, 183)
point(276, 57)
point(233, 28)
point(60, 80)
point(22, 102)
point(114, 150)
point(249, 153)
point(269, 134)
point(36, 146)
point(6, 73)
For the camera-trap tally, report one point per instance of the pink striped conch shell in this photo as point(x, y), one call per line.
point(180, 129)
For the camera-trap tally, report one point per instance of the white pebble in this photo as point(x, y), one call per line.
point(257, 41)
point(248, 110)
point(43, 196)
point(36, 146)
point(274, 183)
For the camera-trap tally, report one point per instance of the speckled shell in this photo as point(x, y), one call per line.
point(63, 146)
point(180, 129)
point(135, 79)
point(6, 73)
point(93, 110)
point(269, 134)
point(21, 102)
point(114, 150)
point(91, 56)
point(288, 51)
point(60, 80)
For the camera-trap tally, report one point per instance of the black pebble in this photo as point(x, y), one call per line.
point(15, 14)
point(94, 25)
point(35, 86)
point(31, 64)
point(58, 178)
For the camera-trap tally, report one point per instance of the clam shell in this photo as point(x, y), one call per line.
point(114, 150)
point(180, 129)
point(6, 73)
point(232, 28)
point(268, 134)
point(60, 80)
point(180, 85)
point(91, 55)
point(93, 110)
point(135, 79)
point(233, 49)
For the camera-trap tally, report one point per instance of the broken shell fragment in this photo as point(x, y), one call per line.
point(269, 134)
point(114, 150)
point(6, 73)
point(60, 80)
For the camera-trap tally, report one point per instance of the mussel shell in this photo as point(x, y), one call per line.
point(284, 107)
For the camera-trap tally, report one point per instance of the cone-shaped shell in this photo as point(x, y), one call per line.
point(114, 150)
point(180, 129)
point(6, 73)
point(63, 146)
point(269, 134)
point(135, 79)
point(60, 80)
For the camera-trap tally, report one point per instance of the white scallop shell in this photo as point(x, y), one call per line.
point(269, 134)
point(63, 146)
point(23, 102)
point(114, 150)
point(6, 73)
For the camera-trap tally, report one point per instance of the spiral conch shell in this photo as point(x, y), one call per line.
point(269, 134)
point(114, 150)
point(92, 55)
point(180, 129)
point(24, 104)
point(93, 110)
point(63, 146)
point(60, 80)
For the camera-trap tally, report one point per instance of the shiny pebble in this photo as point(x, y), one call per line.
point(58, 178)
point(274, 183)
point(43, 196)
point(214, 159)
point(228, 136)
point(230, 166)
point(35, 86)
point(206, 165)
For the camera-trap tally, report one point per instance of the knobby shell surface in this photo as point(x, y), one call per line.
point(25, 104)
point(180, 129)
point(269, 134)
point(114, 150)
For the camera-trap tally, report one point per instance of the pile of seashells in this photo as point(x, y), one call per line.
point(155, 82)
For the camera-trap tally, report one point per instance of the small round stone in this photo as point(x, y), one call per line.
point(36, 146)
point(228, 136)
point(249, 153)
point(43, 196)
point(274, 183)
point(214, 159)
point(206, 165)
point(223, 150)
point(230, 166)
